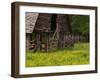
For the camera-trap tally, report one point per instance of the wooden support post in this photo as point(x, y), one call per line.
point(47, 35)
point(64, 40)
point(37, 42)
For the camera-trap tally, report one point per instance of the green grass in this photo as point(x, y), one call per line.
point(79, 54)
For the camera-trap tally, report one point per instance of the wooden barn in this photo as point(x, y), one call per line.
point(47, 32)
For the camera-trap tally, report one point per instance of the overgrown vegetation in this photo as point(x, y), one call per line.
point(80, 24)
point(77, 55)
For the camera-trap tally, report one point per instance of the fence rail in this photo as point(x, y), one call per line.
point(67, 40)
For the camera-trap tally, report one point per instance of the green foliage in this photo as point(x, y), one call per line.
point(80, 24)
point(79, 54)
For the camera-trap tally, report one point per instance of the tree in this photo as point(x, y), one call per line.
point(80, 24)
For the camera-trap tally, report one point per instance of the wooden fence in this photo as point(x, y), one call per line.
point(65, 40)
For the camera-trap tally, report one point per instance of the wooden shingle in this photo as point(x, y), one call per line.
point(31, 19)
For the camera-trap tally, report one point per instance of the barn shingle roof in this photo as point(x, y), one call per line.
point(31, 19)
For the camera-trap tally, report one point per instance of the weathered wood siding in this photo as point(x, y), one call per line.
point(28, 39)
point(43, 22)
point(63, 22)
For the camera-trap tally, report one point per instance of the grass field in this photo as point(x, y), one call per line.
point(79, 54)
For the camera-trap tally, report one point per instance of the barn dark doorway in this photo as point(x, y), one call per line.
point(53, 22)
